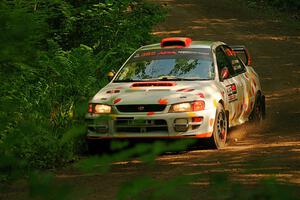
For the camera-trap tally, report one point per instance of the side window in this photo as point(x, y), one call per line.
point(237, 65)
point(223, 61)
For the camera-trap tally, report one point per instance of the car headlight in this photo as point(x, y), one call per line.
point(188, 106)
point(181, 107)
point(99, 108)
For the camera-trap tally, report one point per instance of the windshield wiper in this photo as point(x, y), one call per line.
point(174, 79)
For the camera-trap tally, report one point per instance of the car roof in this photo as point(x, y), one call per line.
point(194, 44)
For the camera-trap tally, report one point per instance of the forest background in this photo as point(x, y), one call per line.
point(54, 56)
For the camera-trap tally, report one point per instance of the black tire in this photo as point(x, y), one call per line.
point(259, 110)
point(97, 146)
point(219, 136)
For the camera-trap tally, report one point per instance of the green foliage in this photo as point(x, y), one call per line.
point(21, 32)
point(53, 57)
point(43, 186)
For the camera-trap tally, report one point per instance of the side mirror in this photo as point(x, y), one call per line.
point(110, 75)
point(224, 73)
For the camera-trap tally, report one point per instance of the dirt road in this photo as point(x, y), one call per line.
point(252, 154)
point(274, 151)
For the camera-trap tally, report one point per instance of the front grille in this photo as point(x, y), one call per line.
point(129, 125)
point(141, 108)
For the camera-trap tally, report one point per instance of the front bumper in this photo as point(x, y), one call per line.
point(151, 125)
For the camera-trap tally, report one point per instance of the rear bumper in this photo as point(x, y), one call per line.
point(145, 125)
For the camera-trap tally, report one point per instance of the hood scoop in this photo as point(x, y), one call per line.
point(153, 84)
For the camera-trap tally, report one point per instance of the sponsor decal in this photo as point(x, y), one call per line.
point(234, 62)
point(163, 101)
point(185, 90)
point(229, 52)
point(149, 54)
point(215, 103)
point(117, 100)
point(192, 52)
point(167, 53)
point(201, 95)
point(150, 113)
point(237, 67)
point(171, 52)
point(231, 92)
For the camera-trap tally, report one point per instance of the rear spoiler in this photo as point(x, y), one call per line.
point(243, 53)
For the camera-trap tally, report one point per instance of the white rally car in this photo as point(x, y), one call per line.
point(178, 89)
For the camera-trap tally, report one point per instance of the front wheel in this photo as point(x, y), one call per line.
point(219, 136)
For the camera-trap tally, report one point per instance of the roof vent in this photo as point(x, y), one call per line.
point(176, 42)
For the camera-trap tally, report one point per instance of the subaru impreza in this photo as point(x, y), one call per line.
point(178, 88)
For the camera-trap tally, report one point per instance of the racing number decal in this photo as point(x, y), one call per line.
point(231, 92)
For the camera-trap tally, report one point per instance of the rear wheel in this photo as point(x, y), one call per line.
point(219, 136)
point(258, 113)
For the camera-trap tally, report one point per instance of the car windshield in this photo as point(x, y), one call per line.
point(168, 64)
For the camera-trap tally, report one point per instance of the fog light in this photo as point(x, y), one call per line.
point(181, 125)
point(197, 119)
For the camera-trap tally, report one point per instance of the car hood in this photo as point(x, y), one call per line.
point(163, 92)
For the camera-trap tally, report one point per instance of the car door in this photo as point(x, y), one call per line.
point(246, 78)
point(234, 88)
